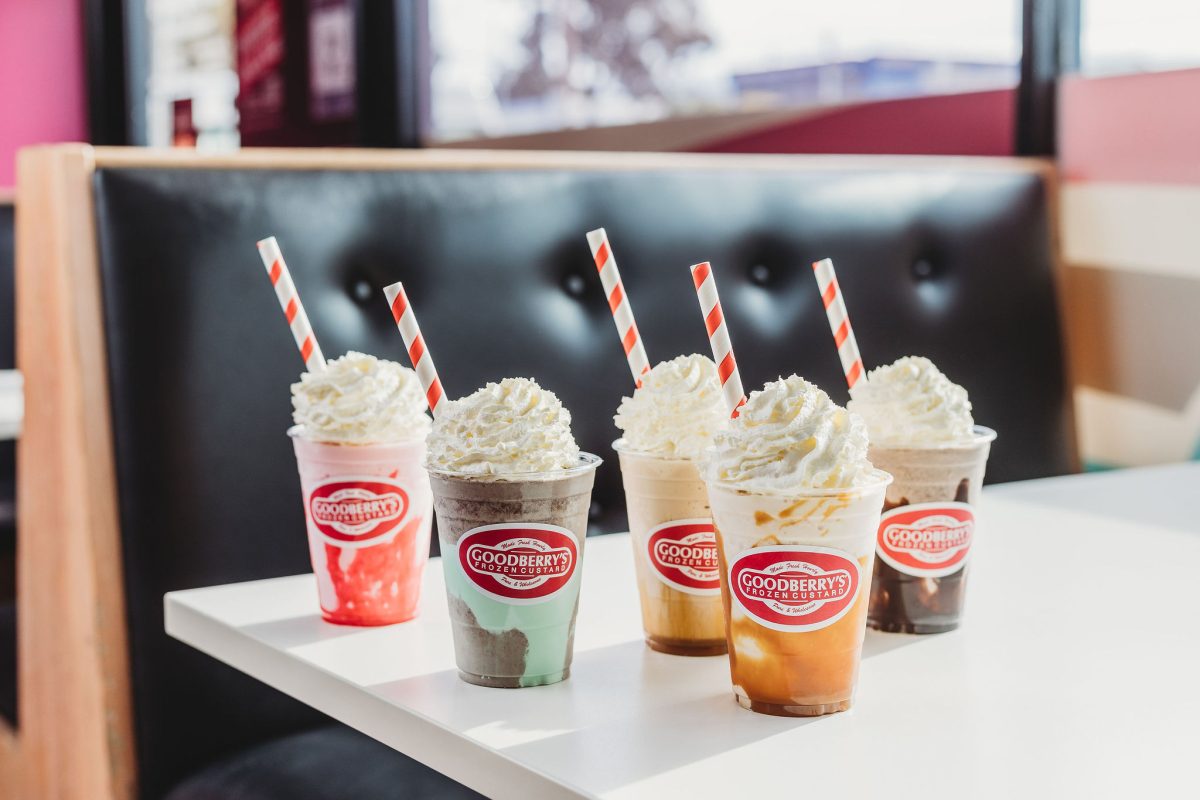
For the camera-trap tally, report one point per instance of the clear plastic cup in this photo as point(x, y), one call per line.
point(795, 571)
point(674, 553)
point(925, 535)
point(368, 510)
point(512, 547)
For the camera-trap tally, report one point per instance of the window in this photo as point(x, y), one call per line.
point(509, 67)
point(1148, 35)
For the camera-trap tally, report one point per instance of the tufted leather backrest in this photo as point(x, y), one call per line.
point(944, 258)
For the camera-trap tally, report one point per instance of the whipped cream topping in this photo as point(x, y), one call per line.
point(911, 402)
point(791, 436)
point(504, 428)
point(360, 399)
point(677, 409)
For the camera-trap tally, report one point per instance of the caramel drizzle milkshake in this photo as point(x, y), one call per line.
point(667, 424)
point(796, 504)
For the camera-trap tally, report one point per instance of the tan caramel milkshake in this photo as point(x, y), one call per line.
point(796, 505)
point(668, 423)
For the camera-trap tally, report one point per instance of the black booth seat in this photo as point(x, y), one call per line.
point(943, 258)
point(329, 763)
point(8, 489)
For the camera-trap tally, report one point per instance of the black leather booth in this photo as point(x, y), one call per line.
point(949, 259)
point(8, 529)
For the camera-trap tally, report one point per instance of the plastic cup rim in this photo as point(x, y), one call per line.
point(587, 462)
point(981, 434)
point(297, 432)
point(881, 481)
point(621, 446)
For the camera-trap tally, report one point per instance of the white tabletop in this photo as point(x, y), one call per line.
point(1076, 674)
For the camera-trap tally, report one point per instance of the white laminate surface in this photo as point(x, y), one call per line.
point(1075, 674)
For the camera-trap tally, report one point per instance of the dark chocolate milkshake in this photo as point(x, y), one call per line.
point(922, 433)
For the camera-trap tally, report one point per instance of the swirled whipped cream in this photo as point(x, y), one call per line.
point(911, 402)
point(676, 410)
point(360, 399)
point(504, 428)
point(791, 436)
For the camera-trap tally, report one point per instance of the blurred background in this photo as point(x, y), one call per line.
point(1103, 91)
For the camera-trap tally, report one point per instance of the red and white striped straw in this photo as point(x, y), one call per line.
point(289, 301)
point(422, 362)
point(618, 304)
point(839, 322)
point(718, 337)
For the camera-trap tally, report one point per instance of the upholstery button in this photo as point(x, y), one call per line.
point(594, 511)
point(922, 269)
point(760, 274)
point(574, 285)
point(361, 290)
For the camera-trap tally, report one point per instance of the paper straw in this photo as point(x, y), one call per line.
point(718, 337)
point(289, 301)
point(839, 322)
point(422, 362)
point(618, 304)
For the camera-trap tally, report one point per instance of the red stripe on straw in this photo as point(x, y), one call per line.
point(629, 339)
point(399, 306)
point(854, 374)
point(416, 350)
point(434, 394)
point(726, 368)
point(615, 298)
point(842, 332)
point(830, 293)
point(306, 349)
point(713, 320)
point(699, 273)
point(290, 311)
point(276, 271)
point(601, 256)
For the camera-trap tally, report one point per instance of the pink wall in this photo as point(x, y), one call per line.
point(969, 124)
point(1141, 128)
point(42, 96)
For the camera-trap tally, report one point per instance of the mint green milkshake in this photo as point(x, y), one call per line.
point(511, 493)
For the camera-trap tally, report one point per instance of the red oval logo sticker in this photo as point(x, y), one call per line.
point(926, 540)
point(683, 555)
point(357, 512)
point(519, 562)
point(794, 587)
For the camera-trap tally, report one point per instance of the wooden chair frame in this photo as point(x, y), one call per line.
point(76, 731)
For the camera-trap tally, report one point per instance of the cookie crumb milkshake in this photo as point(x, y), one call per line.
point(512, 492)
point(668, 423)
point(359, 439)
point(923, 433)
point(796, 505)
